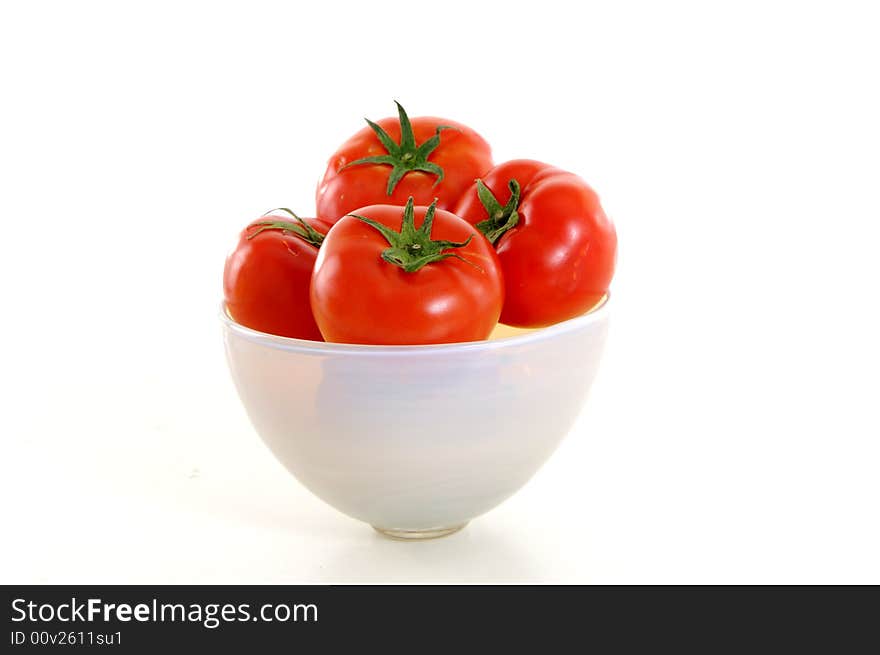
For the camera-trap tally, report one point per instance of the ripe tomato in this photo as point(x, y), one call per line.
point(380, 280)
point(266, 278)
point(396, 158)
point(556, 245)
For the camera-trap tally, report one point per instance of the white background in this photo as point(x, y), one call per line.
point(732, 433)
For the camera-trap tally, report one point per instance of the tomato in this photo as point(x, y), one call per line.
point(380, 280)
point(266, 278)
point(394, 159)
point(556, 245)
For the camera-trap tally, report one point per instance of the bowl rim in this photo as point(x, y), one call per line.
point(290, 344)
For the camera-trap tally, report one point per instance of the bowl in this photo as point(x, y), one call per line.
point(416, 440)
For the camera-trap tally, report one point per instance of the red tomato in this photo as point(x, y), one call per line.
point(396, 158)
point(267, 276)
point(556, 246)
point(380, 280)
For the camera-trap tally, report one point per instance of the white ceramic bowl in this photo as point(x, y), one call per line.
point(416, 440)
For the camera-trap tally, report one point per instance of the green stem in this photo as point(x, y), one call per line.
point(301, 229)
point(501, 219)
point(405, 156)
point(412, 248)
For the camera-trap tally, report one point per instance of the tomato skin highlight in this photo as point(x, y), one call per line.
point(559, 259)
point(462, 154)
point(266, 281)
point(357, 297)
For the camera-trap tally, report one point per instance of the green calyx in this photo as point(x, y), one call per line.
point(412, 248)
point(501, 219)
point(301, 229)
point(405, 156)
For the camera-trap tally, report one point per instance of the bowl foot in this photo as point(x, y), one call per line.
point(416, 535)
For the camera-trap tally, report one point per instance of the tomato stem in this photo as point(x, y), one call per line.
point(301, 229)
point(405, 156)
point(501, 219)
point(412, 248)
